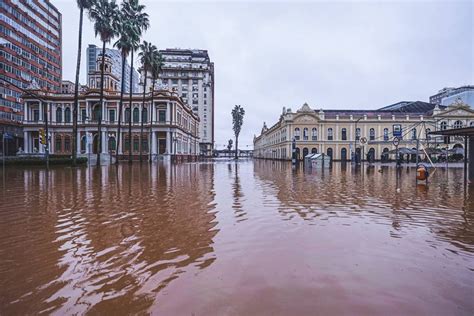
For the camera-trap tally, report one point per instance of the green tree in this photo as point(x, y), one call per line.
point(134, 12)
point(229, 145)
point(104, 15)
point(128, 35)
point(238, 113)
point(83, 5)
point(148, 52)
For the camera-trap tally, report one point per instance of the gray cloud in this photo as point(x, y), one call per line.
point(329, 54)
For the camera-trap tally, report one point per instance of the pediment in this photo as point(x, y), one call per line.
point(462, 111)
point(305, 118)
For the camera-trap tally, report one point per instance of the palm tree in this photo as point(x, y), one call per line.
point(83, 5)
point(104, 15)
point(157, 63)
point(238, 113)
point(133, 12)
point(128, 36)
point(148, 51)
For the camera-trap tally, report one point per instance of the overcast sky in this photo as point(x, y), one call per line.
point(330, 54)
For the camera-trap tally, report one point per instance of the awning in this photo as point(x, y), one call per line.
point(466, 131)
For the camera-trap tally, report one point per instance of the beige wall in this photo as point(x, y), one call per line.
point(271, 144)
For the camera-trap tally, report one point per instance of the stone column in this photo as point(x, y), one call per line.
point(120, 148)
point(78, 142)
point(470, 157)
point(169, 115)
point(87, 110)
point(169, 148)
point(26, 142)
point(153, 143)
point(105, 142)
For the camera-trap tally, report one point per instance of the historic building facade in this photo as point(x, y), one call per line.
point(340, 133)
point(170, 128)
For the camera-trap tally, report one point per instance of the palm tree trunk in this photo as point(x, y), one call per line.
point(151, 117)
point(143, 106)
point(130, 107)
point(236, 146)
point(76, 92)
point(122, 88)
point(99, 125)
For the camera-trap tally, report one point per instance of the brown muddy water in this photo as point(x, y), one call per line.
point(252, 238)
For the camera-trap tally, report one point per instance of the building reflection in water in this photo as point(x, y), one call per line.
point(372, 194)
point(103, 240)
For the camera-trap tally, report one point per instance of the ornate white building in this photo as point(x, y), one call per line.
point(170, 128)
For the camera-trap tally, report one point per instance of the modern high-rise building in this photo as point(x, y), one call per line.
point(447, 96)
point(190, 72)
point(30, 55)
point(93, 52)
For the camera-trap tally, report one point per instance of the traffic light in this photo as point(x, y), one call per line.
point(42, 136)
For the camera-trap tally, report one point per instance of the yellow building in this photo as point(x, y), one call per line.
point(340, 133)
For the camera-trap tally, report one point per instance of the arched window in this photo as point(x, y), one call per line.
point(136, 143)
point(112, 143)
point(330, 135)
point(67, 115)
point(57, 143)
point(297, 133)
point(413, 133)
point(457, 124)
point(344, 134)
point(471, 124)
point(136, 115)
point(305, 134)
point(127, 115)
point(357, 133)
point(145, 115)
point(83, 144)
point(329, 152)
point(305, 152)
point(372, 134)
point(67, 143)
point(427, 131)
point(314, 133)
point(343, 154)
point(314, 150)
point(385, 134)
point(443, 125)
point(59, 115)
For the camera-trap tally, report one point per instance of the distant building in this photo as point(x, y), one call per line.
point(67, 86)
point(339, 133)
point(93, 53)
point(191, 73)
point(447, 96)
point(30, 56)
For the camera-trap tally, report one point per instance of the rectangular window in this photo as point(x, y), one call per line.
point(83, 115)
point(36, 115)
point(162, 116)
point(112, 116)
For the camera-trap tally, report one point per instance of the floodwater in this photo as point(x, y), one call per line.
point(225, 238)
